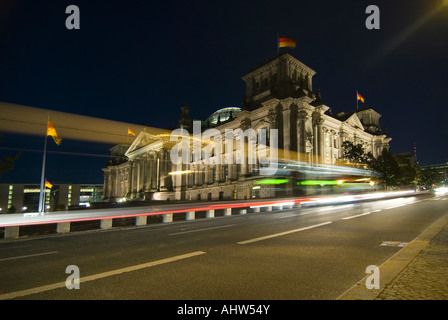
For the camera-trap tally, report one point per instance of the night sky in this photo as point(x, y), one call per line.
point(140, 61)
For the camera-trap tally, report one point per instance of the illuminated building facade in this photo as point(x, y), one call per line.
point(279, 95)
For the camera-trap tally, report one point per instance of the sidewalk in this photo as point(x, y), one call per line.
point(417, 272)
point(425, 278)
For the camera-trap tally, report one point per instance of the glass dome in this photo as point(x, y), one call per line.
point(223, 114)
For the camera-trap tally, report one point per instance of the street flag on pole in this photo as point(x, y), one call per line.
point(286, 42)
point(48, 184)
point(131, 132)
point(51, 131)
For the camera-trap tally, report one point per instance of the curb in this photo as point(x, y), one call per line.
point(391, 268)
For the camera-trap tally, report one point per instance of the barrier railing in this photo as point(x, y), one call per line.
point(12, 222)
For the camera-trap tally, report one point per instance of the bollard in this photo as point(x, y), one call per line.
point(190, 215)
point(63, 227)
point(141, 220)
point(11, 232)
point(106, 223)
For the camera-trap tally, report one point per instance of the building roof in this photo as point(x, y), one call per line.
point(223, 114)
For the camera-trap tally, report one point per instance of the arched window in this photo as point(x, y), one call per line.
point(263, 136)
point(203, 176)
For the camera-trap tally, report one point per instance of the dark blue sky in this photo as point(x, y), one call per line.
point(139, 61)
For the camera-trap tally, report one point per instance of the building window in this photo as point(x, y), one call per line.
point(263, 136)
point(10, 196)
point(238, 170)
point(69, 197)
point(213, 177)
point(226, 172)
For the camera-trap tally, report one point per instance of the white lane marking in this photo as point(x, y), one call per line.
point(283, 233)
point(28, 256)
point(58, 285)
point(290, 216)
point(203, 229)
point(360, 215)
point(400, 205)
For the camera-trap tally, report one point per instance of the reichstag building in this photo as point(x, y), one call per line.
point(278, 95)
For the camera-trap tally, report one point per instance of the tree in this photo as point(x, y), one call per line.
point(355, 154)
point(429, 177)
point(393, 170)
point(387, 167)
point(408, 173)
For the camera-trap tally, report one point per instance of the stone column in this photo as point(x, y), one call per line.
point(332, 135)
point(115, 182)
point(161, 166)
point(286, 132)
point(301, 140)
point(153, 172)
point(323, 144)
point(342, 135)
point(130, 172)
point(318, 139)
point(106, 185)
point(148, 174)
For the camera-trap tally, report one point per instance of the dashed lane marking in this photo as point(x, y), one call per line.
point(82, 280)
point(283, 233)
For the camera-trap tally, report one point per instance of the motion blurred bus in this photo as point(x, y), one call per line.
point(304, 179)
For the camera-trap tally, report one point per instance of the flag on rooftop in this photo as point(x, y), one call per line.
point(286, 42)
point(359, 97)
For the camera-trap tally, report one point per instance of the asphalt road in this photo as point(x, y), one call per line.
point(308, 253)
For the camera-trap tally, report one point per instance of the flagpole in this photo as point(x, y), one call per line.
point(42, 178)
point(357, 100)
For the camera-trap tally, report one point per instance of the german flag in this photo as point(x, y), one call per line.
point(359, 97)
point(131, 132)
point(48, 184)
point(286, 42)
point(51, 131)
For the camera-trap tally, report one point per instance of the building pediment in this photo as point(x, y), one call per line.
point(143, 140)
point(354, 121)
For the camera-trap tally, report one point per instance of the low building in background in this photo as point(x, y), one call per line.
point(18, 198)
point(438, 173)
